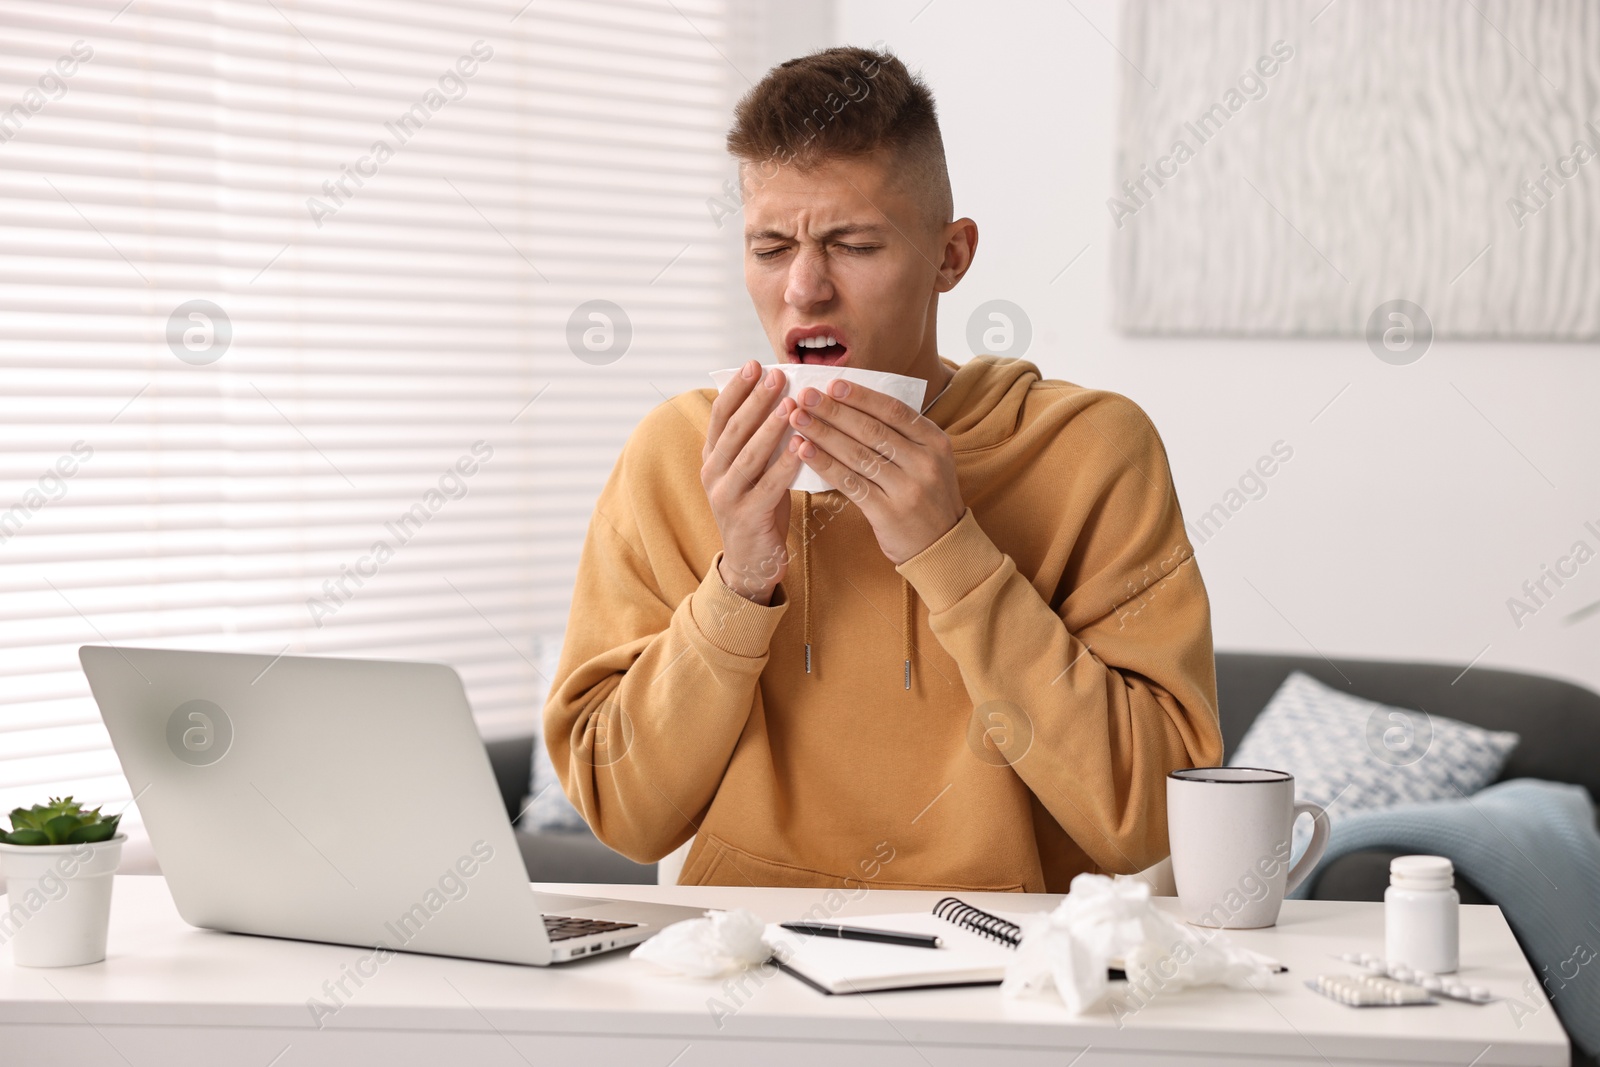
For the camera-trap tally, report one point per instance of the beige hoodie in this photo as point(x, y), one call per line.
point(1058, 657)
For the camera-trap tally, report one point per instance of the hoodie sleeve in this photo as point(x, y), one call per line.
point(1094, 698)
point(660, 666)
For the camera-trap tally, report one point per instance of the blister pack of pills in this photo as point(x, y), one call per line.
point(1368, 990)
point(1443, 985)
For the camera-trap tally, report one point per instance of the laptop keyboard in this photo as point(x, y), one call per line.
point(566, 927)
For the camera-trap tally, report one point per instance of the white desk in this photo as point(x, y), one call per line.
point(169, 994)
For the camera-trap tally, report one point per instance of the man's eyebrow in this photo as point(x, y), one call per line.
point(849, 229)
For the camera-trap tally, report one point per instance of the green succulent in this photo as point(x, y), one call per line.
point(60, 822)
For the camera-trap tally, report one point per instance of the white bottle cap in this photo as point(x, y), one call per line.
point(1421, 872)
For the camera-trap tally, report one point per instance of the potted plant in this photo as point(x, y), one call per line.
point(58, 861)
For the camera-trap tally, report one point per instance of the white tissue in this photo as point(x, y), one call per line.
point(798, 376)
point(1101, 919)
point(719, 943)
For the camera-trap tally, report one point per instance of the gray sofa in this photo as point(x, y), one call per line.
point(1559, 723)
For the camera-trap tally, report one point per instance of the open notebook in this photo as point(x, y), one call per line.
point(977, 947)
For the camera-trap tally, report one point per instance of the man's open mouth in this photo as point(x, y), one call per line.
point(817, 344)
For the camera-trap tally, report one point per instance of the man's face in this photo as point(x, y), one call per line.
point(842, 251)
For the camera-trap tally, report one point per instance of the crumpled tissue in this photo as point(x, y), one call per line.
point(719, 943)
point(1101, 919)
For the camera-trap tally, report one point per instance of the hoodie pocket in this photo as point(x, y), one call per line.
point(721, 863)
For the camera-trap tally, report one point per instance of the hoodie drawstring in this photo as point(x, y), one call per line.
point(909, 621)
point(805, 569)
point(907, 596)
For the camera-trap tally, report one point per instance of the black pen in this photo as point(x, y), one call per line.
point(861, 933)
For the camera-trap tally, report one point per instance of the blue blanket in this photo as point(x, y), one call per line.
point(1532, 846)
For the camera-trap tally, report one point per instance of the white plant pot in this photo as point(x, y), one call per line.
point(58, 901)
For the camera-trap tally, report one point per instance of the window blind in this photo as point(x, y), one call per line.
point(322, 323)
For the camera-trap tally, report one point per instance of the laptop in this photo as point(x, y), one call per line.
point(337, 800)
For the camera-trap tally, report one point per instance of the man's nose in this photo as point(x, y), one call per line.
point(809, 284)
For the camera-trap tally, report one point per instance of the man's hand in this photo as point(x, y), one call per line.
point(894, 464)
point(749, 500)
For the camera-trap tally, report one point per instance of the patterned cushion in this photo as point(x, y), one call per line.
point(1348, 753)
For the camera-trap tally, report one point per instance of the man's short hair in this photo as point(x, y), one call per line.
point(844, 103)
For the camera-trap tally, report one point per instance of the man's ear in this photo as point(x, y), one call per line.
point(960, 245)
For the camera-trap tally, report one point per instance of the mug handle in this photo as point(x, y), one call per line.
point(1320, 829)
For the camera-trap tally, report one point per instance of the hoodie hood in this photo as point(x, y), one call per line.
point(982, 405)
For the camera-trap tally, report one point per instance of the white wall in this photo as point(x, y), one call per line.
point(1413, 506)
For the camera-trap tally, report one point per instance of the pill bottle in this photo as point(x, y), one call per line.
point(1421, 915)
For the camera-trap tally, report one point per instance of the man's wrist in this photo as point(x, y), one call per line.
point(953, 566)
point(758, 592)
point(731, 624)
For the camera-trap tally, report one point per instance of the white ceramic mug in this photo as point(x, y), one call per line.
point(1230, 829)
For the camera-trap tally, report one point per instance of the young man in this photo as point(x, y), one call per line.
point(1001, 644)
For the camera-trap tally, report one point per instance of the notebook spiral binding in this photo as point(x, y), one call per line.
point(978, 921)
